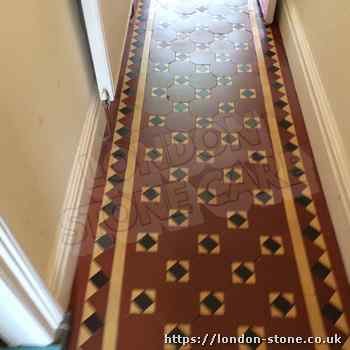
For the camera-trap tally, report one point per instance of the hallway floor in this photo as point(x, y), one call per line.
point(207, 215)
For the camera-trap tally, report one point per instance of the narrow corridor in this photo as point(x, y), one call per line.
point(207, 216)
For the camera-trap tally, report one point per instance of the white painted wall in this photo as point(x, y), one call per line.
point(326, 26)
point(316, 36)
point(46, 88)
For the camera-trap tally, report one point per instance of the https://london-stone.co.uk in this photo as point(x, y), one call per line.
point(219, 339)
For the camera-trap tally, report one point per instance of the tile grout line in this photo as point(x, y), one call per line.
point(110, 333)
point(308, 288)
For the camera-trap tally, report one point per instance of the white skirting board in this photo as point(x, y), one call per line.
point(76, 205)
point(321, 124)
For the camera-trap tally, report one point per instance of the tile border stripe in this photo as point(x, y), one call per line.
point(308, 288)
point(110, 333)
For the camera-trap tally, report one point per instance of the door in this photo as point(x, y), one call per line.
point(107, 25)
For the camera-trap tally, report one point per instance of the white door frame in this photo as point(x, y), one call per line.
point(32, 317)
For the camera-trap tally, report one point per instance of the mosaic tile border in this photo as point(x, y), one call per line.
point(335, 317)
point(96, 293)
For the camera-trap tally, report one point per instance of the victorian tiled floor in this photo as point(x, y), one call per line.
point(207, 214)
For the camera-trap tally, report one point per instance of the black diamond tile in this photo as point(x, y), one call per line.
point(212, 303)
point(229, 138)
point(257, 157)
point(143, 301)
point(179, 174)
point(282, 304)
point(205, 156)
point(180, 137)
point(252, 335)
point(237, 219)
point(290, 147)
point(285, 124)
point(206, 196)
point(204, 122)
point(176, 332)
point(311, 233)
point(115, 179)
point(296, 172)
point(131, 75)
point(209, 244)
point(120, 153)
point(272, 245)
point(129, 92)
point(126, 110)
point(320, 270)
point(263, 196)
point(243, 272)
point(147, 241)
point(136, 60)
point(273, 69)
point(154, 154)
point(157, 120)
point(178, 217)
point(178, 271)
point(281, 104)
point(123, 131)
point(110, 209)
point(276, 85)
point(99, 279)
point(303, 200)
point(105, 242)
point(151, 193)
point(93, 323)
point(331, 312)
point(233, 175)
point(270, 53)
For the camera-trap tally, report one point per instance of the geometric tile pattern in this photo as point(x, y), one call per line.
point(215, 246)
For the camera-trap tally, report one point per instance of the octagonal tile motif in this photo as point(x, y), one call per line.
point(204, 108)
point(162, 55)
point(203, 80)
point(202, 57)
point(181, 68)
point(202, 36)
point(183, 46)
point(178, 93)
point(160, 79)
point(164, 34)
point(220, 27)
point(240, 36)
